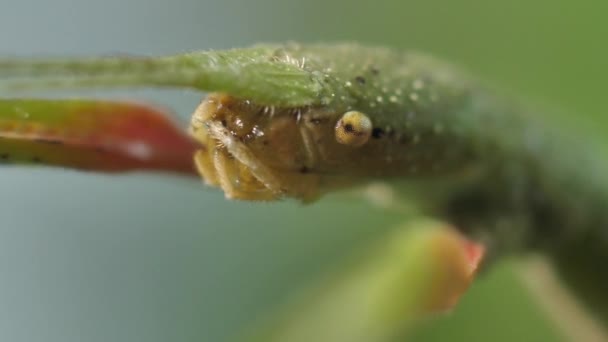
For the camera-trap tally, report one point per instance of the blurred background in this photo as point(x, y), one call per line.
point(87, 257)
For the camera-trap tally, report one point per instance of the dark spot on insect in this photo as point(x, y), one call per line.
point(349, 128)
point(304, 169)
point(49, 141)
point(374, 70)
point(265, 142)
point(378, 133)
point(224, 123)
point(360, 80)
point(36, 160)
point(4, 156)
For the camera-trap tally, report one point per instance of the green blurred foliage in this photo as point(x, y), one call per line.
point(149, 258)
point(496, 308)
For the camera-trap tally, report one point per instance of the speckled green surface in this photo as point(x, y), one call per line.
point(145, 258)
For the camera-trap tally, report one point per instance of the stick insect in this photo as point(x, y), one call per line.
point(300, 121)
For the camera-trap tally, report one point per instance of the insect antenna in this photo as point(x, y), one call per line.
point(246, 73)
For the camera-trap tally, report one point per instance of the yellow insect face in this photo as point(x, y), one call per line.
point(264, 153)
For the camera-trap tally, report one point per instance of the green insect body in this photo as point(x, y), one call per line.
point(299, 121)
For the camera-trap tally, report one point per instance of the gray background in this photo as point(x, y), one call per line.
point(88, 257)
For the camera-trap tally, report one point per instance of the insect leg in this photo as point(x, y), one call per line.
point(241, 153)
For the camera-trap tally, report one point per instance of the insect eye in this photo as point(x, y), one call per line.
point(354, 129)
